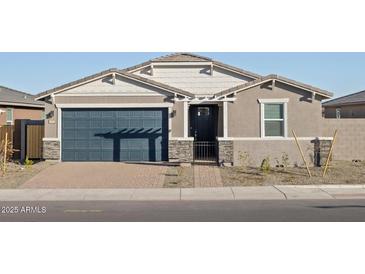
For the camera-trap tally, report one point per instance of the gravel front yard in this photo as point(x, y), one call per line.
point(339, 172)
point(18, 174)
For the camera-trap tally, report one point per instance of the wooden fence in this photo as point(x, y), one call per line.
point(6, 129)
point(35, 134)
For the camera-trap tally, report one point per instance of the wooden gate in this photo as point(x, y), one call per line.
point(6, 129)
point(35, 134)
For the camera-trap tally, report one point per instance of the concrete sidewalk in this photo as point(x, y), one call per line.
point(279, 192)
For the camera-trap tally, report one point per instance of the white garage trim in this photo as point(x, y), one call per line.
point(132, 105)
point(96, 106)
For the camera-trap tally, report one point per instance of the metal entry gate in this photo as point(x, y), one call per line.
point(206, 151)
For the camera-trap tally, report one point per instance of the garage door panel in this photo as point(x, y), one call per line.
point(69, 124)
point(107, 144)
point(81, 114)
point(136, 122)
point(82, 124)
point(81, 134)
point(81, 155)
point(95, 123)
point(114, 134)
point(84, 144)
point(123, 123)
point(108, 114)
point(108, 124)
point(68, 134)
point(95, 155)
point(67, 144)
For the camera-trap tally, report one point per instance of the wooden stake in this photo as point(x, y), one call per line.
point(5, 151)
point(329, 154)
point(301, 153)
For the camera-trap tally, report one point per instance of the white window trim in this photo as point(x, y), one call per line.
point(283, 101)
point(11, 122)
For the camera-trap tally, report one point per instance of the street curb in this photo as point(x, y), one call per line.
point(276, 192)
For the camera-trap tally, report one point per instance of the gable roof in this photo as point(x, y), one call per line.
point(275, 77)
point(181, 57)
point(14, 97)
point(112, 71)
point(351, 99)
point(190, 57)
point(187, 57)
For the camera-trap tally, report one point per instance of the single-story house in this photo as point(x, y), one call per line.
point(181, 107)
point(349, 106)
point(15, 106)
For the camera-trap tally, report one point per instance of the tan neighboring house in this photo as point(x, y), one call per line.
point(183, 108)
point(349, 106)
point(16, 105)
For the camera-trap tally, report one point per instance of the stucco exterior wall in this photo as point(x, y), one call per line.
point(196, 79)
point(304, 116)
point(112, 100)
point(177, 120)
point(21, 113)
point(350, 111)
point(258, 150)
point(50, 122)
point(350, 142)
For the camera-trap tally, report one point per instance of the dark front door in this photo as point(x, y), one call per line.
point(204, 122)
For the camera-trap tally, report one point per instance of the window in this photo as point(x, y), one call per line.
point(273, 117)
point(203, 111)
point(338, 113)
point(274, 120)
point(9, 116)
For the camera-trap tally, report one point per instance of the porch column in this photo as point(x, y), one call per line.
point(225, 119)
point(186, 117)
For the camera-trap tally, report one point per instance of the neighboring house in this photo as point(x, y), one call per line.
point(349, 106)
point(181, 107)
point(16, 105)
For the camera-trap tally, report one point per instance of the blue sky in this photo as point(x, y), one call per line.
point(341, 73)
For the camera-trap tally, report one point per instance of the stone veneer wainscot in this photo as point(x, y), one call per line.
point(181, 151)
point(51, 149)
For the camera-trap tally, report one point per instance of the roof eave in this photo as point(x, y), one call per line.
point(107, 73)
point(21, 104)
point(272, 77)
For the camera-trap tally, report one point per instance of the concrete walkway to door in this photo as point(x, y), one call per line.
point(99, 175)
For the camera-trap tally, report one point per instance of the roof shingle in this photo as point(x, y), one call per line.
point(275, 77)
point(14, 97)
point(351, 99)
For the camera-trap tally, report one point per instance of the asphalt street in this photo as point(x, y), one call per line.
point(185, 211)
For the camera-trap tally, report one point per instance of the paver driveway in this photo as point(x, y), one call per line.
point(99, 175)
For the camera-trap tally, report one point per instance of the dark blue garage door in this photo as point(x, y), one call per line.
point(114, 134)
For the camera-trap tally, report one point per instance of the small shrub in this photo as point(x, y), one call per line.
point(28, 163)
point(278, 164)
point(285, 160)
point(265, 165)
